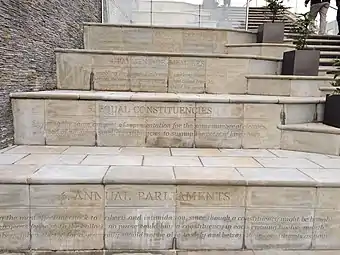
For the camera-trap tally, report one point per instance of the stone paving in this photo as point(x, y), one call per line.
point(93, 163)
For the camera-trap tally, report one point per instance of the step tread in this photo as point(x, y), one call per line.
point(161, 97)
point(175, 54)
point(311, 127)
point(206, 166)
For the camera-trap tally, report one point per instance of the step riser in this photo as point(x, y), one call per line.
point(106, 213)
point(153, 39)
point(157, 124)
point(281, 87)
point(310, 142)
point(264, 51)
point(158, 73)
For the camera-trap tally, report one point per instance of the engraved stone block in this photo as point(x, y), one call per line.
point(326, 229)
point(14, 217)
point(210, 196)
point(237, 69)
point(69, 228)
point(187, 75)
point(139, 228)
point(29, 121)
point(279, 228)
point(260, 126)
point(71, 123)
point(199, 41)
point(171, 40)
point(219, 125)
point(121, 123)
point(67, 195)
point(14, 230)
point(103, 38)
point(170, 125)
point(149, 74)
point(140, 196)
point(137, 39)
point(13, 195)
point(200, 228)
point(327, 219)
point(289, 197)
point(216, 76)
point(111, 72)
point(73, 71)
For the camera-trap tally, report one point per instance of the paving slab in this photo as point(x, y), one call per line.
point(113, 160)
point(171, 161)
point(43, 159)
point(247, 153)
point(276, 176)
point(7, 159)
point(79, 150)
point(195, 152)
point(208, 175)
point(144, 151)
point(287, 162)
point(37, 149)
point(69, 174)
point(229, 162)
point(139, 175)
point(16, 173)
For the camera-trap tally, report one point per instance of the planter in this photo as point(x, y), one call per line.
point(301, 62)
point(271, 33)
point(332, 111)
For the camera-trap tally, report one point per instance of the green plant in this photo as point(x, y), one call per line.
point(303, 27)
point(276, 8)
point(336, 82)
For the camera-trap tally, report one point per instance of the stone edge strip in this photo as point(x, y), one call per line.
point(289, 77)
point(313, 129)
point(102, 180)
point(169, 97)
point(166, 27)
point(170, 54)
point(285, 45)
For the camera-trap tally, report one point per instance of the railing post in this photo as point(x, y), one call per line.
point(247, 13)
point(199, 15)
point(151, 12)
point(103, 11)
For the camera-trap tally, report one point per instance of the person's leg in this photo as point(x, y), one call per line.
point(323, 18)
point(313, 12)
point(314, 9)
point(338, 19)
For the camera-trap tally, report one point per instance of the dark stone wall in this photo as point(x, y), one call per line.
point(30, 30)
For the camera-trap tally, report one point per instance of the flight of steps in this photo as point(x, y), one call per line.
point(161, 88)
point(329, 45)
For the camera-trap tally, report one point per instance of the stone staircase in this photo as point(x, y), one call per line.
point(147, 146)
point(328, 44)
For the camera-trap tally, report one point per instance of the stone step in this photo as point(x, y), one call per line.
point(260, 49)
point(311, 137)
point(330, 54)
point(98, 36)
point(285, 85)
point(158, 72)
point(327, 90)
point(109, 194)
point(334, 48)
point(156, 119)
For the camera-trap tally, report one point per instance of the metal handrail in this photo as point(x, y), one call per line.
point(247, 13)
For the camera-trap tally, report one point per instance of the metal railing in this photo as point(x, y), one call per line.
point(206, 13)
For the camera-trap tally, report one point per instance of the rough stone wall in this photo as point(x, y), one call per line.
point(30, 30)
